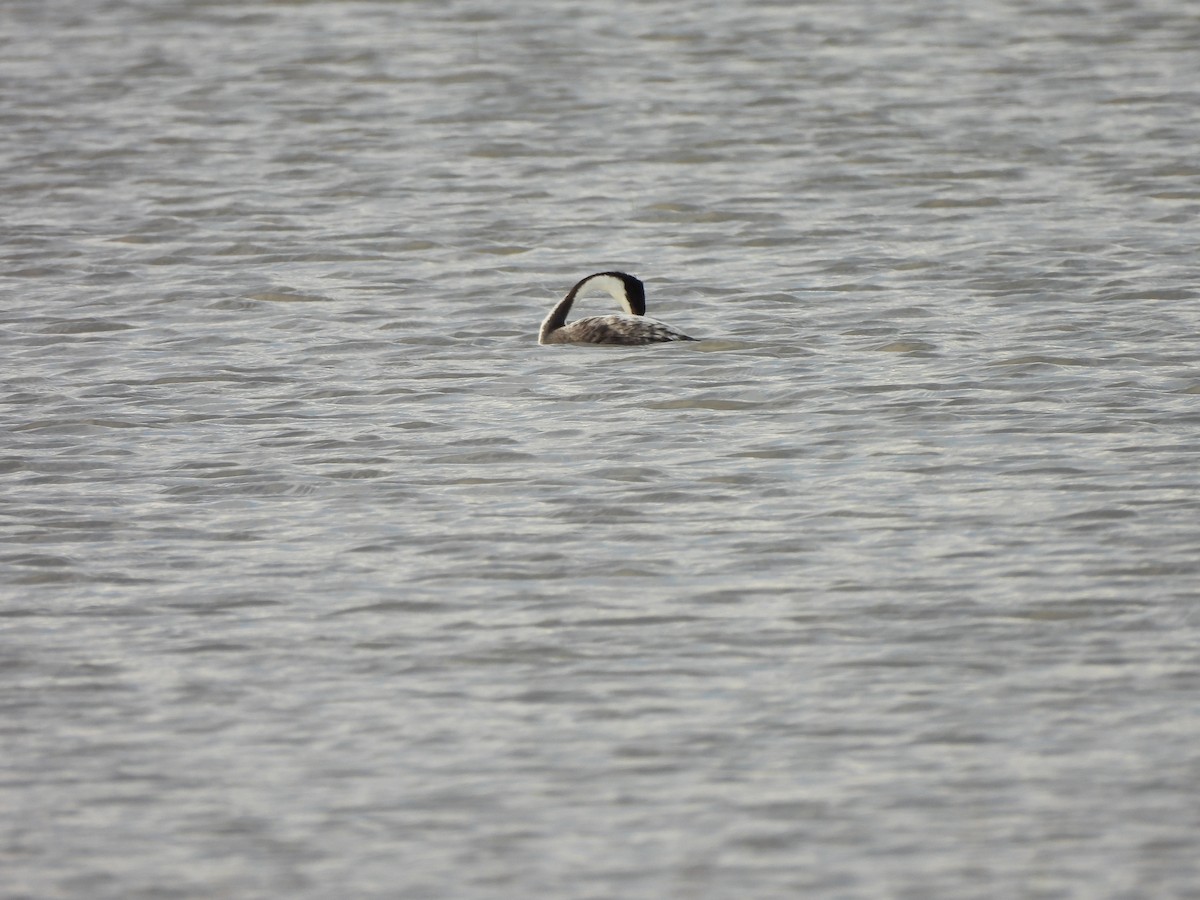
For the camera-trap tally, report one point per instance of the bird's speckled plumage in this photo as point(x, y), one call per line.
point(634, 327)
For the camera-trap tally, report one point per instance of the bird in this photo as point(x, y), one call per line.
point(634, 327)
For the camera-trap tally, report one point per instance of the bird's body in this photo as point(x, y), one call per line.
point(633, 327)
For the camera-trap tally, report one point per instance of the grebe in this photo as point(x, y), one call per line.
point(632, 328)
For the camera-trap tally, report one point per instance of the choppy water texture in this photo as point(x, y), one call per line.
point(322, 579)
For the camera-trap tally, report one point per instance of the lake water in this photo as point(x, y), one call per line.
point(320, 578)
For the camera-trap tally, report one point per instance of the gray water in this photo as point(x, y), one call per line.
point(320, 578)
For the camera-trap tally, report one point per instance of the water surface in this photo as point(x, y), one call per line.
point(320, 577)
